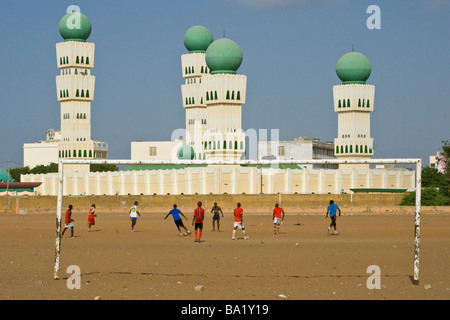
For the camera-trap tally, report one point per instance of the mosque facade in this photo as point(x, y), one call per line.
point(212, 96)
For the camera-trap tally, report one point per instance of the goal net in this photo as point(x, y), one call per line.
point(258, 163)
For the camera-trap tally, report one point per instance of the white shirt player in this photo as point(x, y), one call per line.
point(133, 211)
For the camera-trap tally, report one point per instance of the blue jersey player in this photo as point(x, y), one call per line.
point(332, 209)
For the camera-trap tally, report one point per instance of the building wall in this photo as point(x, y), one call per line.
point(145, 150)
point(221, 180)
point(41, 153)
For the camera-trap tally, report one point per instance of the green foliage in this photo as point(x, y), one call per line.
point(15, 173)
point(435, 185)
point(103, 167)
point(429, 197)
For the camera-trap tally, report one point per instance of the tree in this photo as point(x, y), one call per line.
point(435, 183)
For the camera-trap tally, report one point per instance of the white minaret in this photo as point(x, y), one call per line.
point(224, 93)
point(196, 40)
point(75, 89)
point(353, 101)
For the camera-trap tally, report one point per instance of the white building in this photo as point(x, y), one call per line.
point(301, 148)
point(155, 150)
point(75, 91)
point(213, 95)
point(353, 101)
point(43, 152)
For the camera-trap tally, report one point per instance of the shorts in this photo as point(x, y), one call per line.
point(276, 220)
point(238, 224)
point(69, 225)
point(216, 217)
point(198, 226)
point(133, 218)
point(179, 223)
point(333, 220)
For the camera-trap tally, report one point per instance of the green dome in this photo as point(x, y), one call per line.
point(353, 67)
point(75, 26)
point(4, 176)
point(185, 152)
point(197, 39)
point(223, 56)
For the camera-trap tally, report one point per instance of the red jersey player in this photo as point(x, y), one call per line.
point(277, 218)
point(199, 215)
point(91, 217)
point(238, 221)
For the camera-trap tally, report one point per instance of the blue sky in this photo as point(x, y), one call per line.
point(290, 50)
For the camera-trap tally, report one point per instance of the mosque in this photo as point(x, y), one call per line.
point(212, 96)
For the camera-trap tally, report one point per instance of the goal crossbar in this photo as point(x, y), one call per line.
point(417, 162)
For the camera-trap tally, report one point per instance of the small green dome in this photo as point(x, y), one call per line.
point(197, 39)
point(75, 26)
point(223, 56)
point(185, 152)
point(4, 176)
point(353, 67)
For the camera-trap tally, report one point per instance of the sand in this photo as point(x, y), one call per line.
point(155, 263)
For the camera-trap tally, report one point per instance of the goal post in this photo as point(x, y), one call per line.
point(417, 162)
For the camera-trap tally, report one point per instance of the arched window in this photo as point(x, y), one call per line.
point(82, 93)
point(207, 96)
point(90, 153)
point(224, 145)
point(342, 149)
point(79, 153)
point(368, 103)
point(87, 93)
point(228, 95)
point(201, 70)
point(85, 153)
point(356, 149)
point(215, 95)
point(230, 145)
point(77, 60)
point(365, 149)
point(339, 104)
point(74, 153)
point(87, 60)
point(77, 94)
point(351, 149)
point(232, 95)
point(343, 103)
point(337, 149)
point(238, 97)
point(359, 102)
point(348, 103)
point(67, 93)
point(242, 143)
point(82, 59)
point(235, 145)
